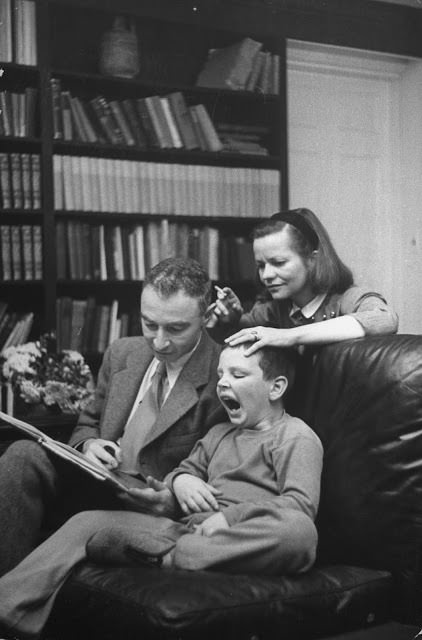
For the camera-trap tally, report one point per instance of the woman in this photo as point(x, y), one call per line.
point(312, 297)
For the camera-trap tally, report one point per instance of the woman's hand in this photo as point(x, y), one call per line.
point(263, 337)
point(194, 495)
point(226, 309)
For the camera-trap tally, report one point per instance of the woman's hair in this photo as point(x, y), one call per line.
point(327, 273)
point(172, 275)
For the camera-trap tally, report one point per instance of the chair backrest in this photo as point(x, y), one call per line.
point(364, 399)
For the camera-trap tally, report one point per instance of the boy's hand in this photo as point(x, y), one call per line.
point(194, 495)
point(225, 310)
point(212, 524)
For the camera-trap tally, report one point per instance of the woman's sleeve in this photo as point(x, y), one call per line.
point(371, 311)
point(261, 315)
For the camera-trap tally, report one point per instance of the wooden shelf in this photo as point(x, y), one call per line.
point(181, 156)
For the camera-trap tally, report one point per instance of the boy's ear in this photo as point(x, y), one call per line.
point(278, 387)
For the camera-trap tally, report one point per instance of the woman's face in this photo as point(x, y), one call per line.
point(281, 269)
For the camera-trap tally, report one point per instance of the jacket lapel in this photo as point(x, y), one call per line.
point(184, 394)
point(124, 388)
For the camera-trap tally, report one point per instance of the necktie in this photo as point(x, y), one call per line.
point(143, 420)
point(298, 317)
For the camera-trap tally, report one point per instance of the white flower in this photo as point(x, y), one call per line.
point(19, 363)
point(30, 392)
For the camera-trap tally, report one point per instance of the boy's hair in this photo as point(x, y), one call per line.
point(172, 275)
point(327, 274)
point(274, 361)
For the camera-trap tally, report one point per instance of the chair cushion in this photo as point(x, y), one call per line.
point(132, 602)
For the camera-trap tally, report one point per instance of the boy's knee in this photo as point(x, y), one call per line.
point(298, 547)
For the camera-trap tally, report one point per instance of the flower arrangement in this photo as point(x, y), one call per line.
point(40, 376)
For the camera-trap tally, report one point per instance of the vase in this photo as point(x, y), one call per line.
point(119, 50)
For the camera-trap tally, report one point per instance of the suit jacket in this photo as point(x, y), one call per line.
point(188, 413)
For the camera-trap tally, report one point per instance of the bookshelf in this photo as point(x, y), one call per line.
point(193, 194)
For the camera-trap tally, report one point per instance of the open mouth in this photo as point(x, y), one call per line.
point(230, 403)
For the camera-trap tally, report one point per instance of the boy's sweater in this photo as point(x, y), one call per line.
point(258, 471)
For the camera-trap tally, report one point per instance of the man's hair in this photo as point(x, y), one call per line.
point(172, 275)
point(274, 361)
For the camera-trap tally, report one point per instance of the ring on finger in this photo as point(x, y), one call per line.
point(255, 335)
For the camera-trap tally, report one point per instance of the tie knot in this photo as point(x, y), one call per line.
point(161, 369)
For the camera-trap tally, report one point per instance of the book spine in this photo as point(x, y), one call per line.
point(37, 251)
point(28, 259)
point(5, 107)
point(30, 111)
point(56, 106)
point(26, 180)
point(36, 181)
point(6, 53)
point(122, 122)
point(5, 182)
point(15, 236)
point(6, 252)
point(16, 173)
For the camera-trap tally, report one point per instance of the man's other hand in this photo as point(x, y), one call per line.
point(155, 498)
point(105, 453)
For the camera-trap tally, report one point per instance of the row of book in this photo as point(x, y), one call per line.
point(125, 186)
point(243, 65)
point(160, 122)
point(87, 251)
point(14, 327)
point(20, 181)
point(90, 326)
point(21, 252)
point(18, 42)
point(18, 113)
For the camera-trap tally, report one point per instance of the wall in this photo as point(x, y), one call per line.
point(355, 158)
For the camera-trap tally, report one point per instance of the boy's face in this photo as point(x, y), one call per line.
point(242, 389)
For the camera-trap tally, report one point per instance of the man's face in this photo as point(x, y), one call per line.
point(242, 389)
point(171, 326)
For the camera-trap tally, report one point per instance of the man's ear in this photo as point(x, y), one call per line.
point(278, 388)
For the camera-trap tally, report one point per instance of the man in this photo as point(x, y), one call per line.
point(112, 431)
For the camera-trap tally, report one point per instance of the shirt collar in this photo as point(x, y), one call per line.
point(177, 365)
point(310, 308)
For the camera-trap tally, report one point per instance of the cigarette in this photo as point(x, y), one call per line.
point(220, 293)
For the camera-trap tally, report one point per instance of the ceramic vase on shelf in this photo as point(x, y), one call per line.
point(119, 50)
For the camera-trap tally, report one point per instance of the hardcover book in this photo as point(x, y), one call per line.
point(230, 66)
point(183, 118)
point(71, 455)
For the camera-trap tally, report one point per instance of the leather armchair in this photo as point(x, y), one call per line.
point(364, 399)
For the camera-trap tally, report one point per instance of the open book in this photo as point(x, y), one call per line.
point(71, 455)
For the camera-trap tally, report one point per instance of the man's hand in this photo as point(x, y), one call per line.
point(105, 453)
point(227, 309)
point(195, 495)
point(214, 523)
point(155, 498)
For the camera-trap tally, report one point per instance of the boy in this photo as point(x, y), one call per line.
point(243, 501)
